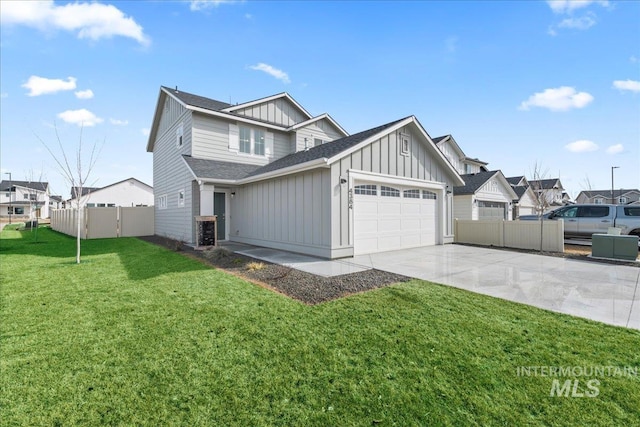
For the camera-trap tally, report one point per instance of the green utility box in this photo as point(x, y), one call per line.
point(616, 247)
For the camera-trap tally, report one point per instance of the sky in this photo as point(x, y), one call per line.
point(532, 85)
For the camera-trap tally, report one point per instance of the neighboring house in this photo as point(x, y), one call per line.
point(455, 155)
point(24, 199)
point(128, 192)
point(276, 176)
point(56, 202)
point(485, 195)
point(525, 203)
point(620, 197)
point(552, 192)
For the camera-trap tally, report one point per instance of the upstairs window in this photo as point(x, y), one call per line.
point(258, 148)
point(179, 135)
point(162, 202)
point(181, 198)
point(317, 141)
point(405, 143)
point(245, 140)
point(622, 200)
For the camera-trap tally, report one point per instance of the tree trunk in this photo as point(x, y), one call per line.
point(78, 236)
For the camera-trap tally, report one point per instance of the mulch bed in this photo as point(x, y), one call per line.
point(306, 287)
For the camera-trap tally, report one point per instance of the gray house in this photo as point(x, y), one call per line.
point(278, 177)
point(622, 196)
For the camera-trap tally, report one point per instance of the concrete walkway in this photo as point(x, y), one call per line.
point(607, 293)
point(604, 292)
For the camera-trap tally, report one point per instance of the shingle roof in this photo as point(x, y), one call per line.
point(472, 182)
point(520, 190)
point(35, 185)
point(514, 180)
point(215, 169)
point(607, 193)
point(85, 191)
point(327, 150)
point(197, 100)
point(543, 184)
point(437, 139)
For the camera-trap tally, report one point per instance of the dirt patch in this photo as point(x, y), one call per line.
point(306, 287)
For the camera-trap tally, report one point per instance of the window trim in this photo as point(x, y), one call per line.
point(411, 193)
point(181, 198)
point(180, 135)
point(405, 143)
point(429, 195)
point(366, 189)
point(162, 201)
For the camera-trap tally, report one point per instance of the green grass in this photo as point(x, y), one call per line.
point(138, 335)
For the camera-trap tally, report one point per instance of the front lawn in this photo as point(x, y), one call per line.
point(139, 335)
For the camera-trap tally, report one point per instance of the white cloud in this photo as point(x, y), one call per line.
point(582, 23)
point(88, 20)
point(41, 85)
point(146, 131)
point(119, 122)
point(615, 149)
point(207, 4)
point(581, 146)
point(80, 117)
point(630, 85)
point(274, 72)
point(568, 6)
point(563, 98)
point(84, 94)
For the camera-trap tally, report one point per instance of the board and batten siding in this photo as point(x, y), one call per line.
point(172, 110)
point(382, 156)
point(291, 213)
point(462, 207)
point(211, 141)
point(322, 129)
point(278, 111)
point(493, 191)
point(171, 175)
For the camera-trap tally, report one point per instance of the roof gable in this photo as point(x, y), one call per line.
point(324, 116)
point(475, 181)
point(6, 185)
point(284, 95)
point(546, 184)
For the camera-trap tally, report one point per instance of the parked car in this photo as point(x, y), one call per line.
point(585, 220)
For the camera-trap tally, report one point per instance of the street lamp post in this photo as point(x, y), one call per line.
point(10, 195)
point(612, 198)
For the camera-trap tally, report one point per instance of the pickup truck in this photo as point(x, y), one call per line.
point(585, 220)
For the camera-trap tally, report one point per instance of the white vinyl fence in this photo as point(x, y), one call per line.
point(98, 223)
point(511, 234)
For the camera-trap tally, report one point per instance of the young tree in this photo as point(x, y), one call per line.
point(76, 174)
point(35, 200)
point(542, 199)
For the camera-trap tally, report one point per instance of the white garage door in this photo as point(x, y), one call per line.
point(389, 217)
point(491, 210)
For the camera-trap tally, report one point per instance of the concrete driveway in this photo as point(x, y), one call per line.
point(604, 292)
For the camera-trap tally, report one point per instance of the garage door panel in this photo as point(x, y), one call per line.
point(384, 223)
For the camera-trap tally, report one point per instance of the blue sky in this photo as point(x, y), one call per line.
point(516, 83)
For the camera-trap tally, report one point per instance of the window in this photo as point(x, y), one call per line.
point(567, 213)
point(102, 205)
point(411, 194)
point(162, 202)
point(598, 201)
point(91, 205)
point(14, 210)
point(405, 142)
point(33, 197)
point(181, 198)
point(389, 191)
point(179, 135)
point(317, 141)
point(366, 189)
point(426, 194)
point(593, 211)
point(8, 194)
point(111, 205)
point(622, 200)
point(245, 140)
point(258, 146)
point(632, 211)
point(467, 168)
point(26, 196)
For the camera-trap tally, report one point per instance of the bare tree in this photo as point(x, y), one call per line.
point(35, 201)
point(76, 175)
point(542, 199)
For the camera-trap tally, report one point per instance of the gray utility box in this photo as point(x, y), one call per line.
point(616, 247)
